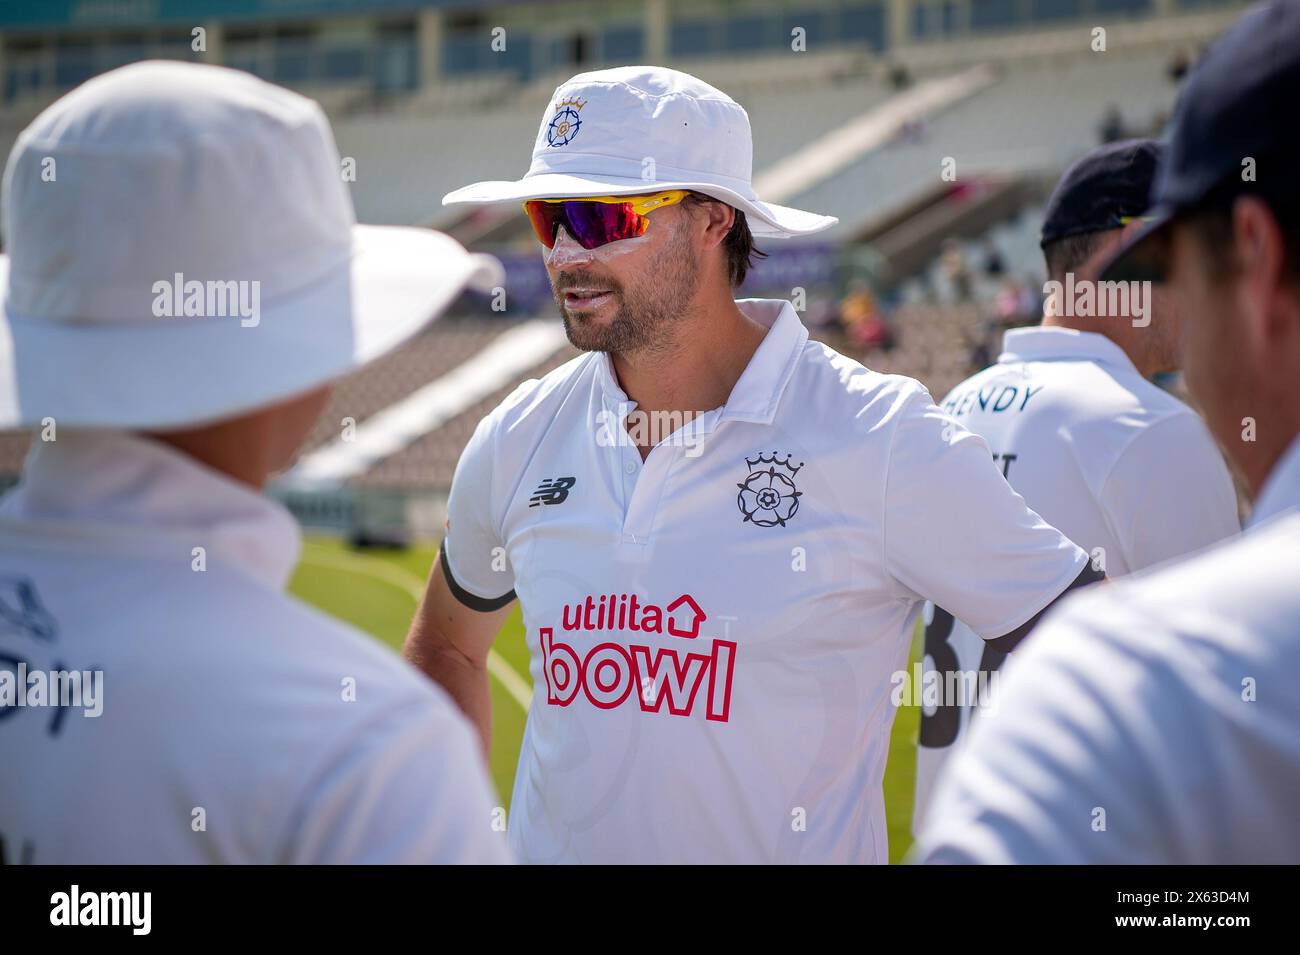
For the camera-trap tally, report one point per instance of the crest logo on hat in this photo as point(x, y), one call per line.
point(768, 497)
point(565, 123)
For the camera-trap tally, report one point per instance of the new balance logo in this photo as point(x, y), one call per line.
point(552, 492)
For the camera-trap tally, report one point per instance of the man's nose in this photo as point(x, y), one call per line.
point(566, 251)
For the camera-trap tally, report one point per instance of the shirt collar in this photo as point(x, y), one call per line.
point(758, 391)
point(1062, 344)
point(1281, 491)
point(121, 484)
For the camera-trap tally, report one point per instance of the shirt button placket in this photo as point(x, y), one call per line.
point(633, 471)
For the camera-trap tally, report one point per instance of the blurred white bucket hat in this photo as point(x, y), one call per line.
point(639, 129)
point(181, 248)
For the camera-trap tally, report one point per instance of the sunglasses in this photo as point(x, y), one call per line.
point(598, 220)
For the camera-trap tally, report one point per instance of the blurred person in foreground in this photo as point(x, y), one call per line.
point(1158, 721)
point(1125, 470)
point(184, 278)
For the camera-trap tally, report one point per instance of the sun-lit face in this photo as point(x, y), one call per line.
point(624, 295)
point(295, 419)
point(1210, 348)
point(1153, 346)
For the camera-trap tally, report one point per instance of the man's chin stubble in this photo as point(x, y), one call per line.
point(585, 335)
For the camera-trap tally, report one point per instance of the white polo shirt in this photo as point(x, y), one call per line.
point(1155, 720)
point(1121, 467)
point(713, 632)
point(234, 724)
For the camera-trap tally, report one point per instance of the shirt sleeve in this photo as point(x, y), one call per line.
point(1071, 762)
point(958, 534)
point(474, 556)
point(1169, 494)
point(412, 790)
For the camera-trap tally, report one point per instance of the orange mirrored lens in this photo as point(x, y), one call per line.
point(591, 224)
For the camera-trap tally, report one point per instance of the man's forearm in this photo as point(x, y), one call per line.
point(464, 680)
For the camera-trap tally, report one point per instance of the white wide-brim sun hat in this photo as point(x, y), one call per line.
point(640, 129)
point(158, 180)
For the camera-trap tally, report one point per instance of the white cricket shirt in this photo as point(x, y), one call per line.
point(1121, 467)
point(713, 631)
point(1155, 720)
point(224, 732)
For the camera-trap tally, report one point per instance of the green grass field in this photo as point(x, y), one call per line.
point(376, 591)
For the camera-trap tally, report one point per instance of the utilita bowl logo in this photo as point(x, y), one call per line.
point(661, 677)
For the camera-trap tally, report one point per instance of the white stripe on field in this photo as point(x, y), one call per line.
point(388, 431)
point(498, 667)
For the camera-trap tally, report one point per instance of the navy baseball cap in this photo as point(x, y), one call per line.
point(1232, 118)
point(1104, 190)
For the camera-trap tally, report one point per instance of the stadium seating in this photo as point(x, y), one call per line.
point(423, 359)
point(1031, 115)
point(1035, 118)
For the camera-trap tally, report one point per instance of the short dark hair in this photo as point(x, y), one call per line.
point(738, 245)
point(1067, 254)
